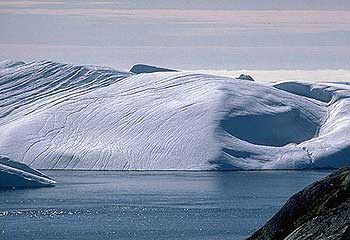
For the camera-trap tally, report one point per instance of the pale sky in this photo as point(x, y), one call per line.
point(222, 35)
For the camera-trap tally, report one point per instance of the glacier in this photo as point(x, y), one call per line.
point(19, 175)
point(62, 116)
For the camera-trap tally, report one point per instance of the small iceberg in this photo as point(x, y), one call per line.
point(246, 77)
point(142, 68)
point(18, 175)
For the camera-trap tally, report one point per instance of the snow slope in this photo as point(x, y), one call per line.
point(19, 175)
point(60, 116)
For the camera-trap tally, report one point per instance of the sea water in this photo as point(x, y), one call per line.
point(101, 205)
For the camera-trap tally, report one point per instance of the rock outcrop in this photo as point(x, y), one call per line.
point(320, 211)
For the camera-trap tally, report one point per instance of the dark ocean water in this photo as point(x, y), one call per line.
point(149, 205)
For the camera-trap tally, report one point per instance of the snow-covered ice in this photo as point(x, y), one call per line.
point(19, 175)
point(61, 116)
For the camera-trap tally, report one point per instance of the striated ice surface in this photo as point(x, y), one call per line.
point(61, 116)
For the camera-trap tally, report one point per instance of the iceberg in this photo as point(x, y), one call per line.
point(246, 77)
point(62, 116)
point(142, 68)
point(19, 175)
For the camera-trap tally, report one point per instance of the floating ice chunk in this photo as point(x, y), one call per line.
point(141, 68)
point(19, 175)
point(245, 77)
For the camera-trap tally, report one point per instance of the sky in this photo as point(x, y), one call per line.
point(182, 34)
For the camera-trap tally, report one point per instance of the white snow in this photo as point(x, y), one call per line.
point(19, 175)
point(59, 116)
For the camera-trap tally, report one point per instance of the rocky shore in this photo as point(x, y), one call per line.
point(320, 211)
